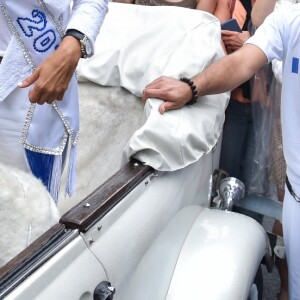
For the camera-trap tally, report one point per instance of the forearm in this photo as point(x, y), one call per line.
point(208, 6)
point(222, 11)
point(229, 72)
point(261, 9)
point(221, 76)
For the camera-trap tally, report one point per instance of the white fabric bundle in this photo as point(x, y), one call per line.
point(138, 44)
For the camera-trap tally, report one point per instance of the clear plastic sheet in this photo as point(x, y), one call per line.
point(262, 94)
point(262, 125)
point(268, 165)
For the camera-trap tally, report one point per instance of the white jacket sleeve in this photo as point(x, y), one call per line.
point(87, 17)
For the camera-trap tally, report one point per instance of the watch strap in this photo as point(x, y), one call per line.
point(81, 38)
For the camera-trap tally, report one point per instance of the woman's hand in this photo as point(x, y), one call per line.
point(52, 77)
point(234, 40)
point(174, 92)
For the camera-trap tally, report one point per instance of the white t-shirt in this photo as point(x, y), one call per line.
point(279, 38)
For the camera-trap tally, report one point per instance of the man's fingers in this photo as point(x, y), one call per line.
point(173, 92)
point(154, 93)
point(144, 98)
point(156, 88)
point(162, 108)
point(157, 80)
point(167, 106)
point(150, 92)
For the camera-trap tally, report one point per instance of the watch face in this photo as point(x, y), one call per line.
point(86, 47)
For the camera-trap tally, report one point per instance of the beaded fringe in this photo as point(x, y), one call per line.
point(48, 168)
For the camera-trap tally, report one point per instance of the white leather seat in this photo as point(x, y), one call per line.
point(201, 254)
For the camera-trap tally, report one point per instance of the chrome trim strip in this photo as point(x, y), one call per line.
point(50, 251)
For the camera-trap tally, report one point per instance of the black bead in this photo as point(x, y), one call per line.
point(193, 88)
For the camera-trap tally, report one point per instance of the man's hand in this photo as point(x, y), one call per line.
point(174, 92)
point(52, 77)
point(234, 40)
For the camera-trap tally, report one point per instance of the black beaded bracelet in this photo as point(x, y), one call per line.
point(190, 82)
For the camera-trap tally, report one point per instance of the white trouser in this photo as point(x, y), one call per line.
point(291, 235)
point(13, 112)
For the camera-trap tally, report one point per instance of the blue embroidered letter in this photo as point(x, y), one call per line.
point(38, 22)
point(44, 41)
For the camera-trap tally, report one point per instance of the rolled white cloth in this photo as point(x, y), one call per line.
point(132, 50)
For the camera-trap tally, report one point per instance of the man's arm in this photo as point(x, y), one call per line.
point(223, 75)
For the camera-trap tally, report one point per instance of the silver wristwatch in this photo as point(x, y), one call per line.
point(84, 42)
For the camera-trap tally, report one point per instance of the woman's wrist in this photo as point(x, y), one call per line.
point(71, 47)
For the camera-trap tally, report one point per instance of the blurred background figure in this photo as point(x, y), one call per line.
point(238, 144)
point(208, 6)
point(220, 8)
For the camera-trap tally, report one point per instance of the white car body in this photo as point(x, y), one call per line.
point(145, 224)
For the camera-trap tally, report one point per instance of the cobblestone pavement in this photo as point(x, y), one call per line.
point(271, 284)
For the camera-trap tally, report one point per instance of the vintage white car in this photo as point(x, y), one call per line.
point(145, 229)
